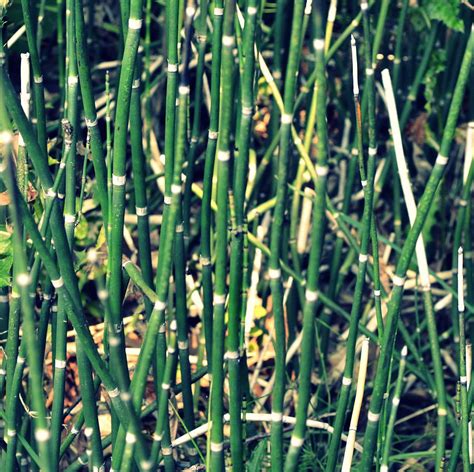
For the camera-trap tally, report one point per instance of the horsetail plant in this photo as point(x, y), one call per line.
point(188, 263)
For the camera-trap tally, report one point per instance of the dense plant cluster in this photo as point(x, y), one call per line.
point(236, 235)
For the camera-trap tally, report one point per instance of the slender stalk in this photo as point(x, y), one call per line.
point(422, 267)
point(237, 239)
point(393, 412)
point(205, 248)
point(276, 438)
point(224, 154)
point(367, 180)
point(405, 257)
point(351, 437)
point(118, 360)
point(312, 281)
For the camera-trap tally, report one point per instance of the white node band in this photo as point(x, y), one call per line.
point(3, 371)
point(223, 156)
point(172, 67)
point(217, 447)
point(364, 183)
point(372, 151)
point(442, 412)
point(252, 10)
point(141, 211)
point(162, 328)
point(114, 341)
point(395, 401)
point(364, 5)
point(69, 218)
point(228, 41)
point(130, 438)
point(218, 11)
point(398, 281)
point(322, 171)
point(274, 273)
point(176, 189)
point(134, 23)
point(103, 294)
point(296, 442)
point(23, 280)
point(3, 298)
point(363, 258)
point(51, 193)
point(205, 261)
point(346, 381)
point(441, 160)
point(369, 71)
point(277, 417)
point(118, 180)
point(159, 305)
point(72, 80)
point(146, 465)
point(373, 417)
point(184, 89)
point(59, 364)
point(247, 111)
point(114, 393)
point(42, 435)
point(166, 451)
point(183, 345)
point(234, 355)
point(286, 118)
point(136, 84)
point(377, 293)
point(167, 200)
point(311, 295)
point(91, 123)
point(38, 79)
point(219, 299)
point(11, 433)
point(463, 380)
point(213, 134)
point(318, 44)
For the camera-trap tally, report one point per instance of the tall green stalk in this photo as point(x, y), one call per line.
point(317, 238)
point(405, 257)
point(276, 438)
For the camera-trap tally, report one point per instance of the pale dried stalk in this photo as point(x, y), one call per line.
point(404, 177)
point(305, 221)
point(351, 438)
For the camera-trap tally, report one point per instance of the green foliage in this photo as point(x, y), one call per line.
point(436, 66)
point(446, 11)
point(258, 456)
point(6, 258)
